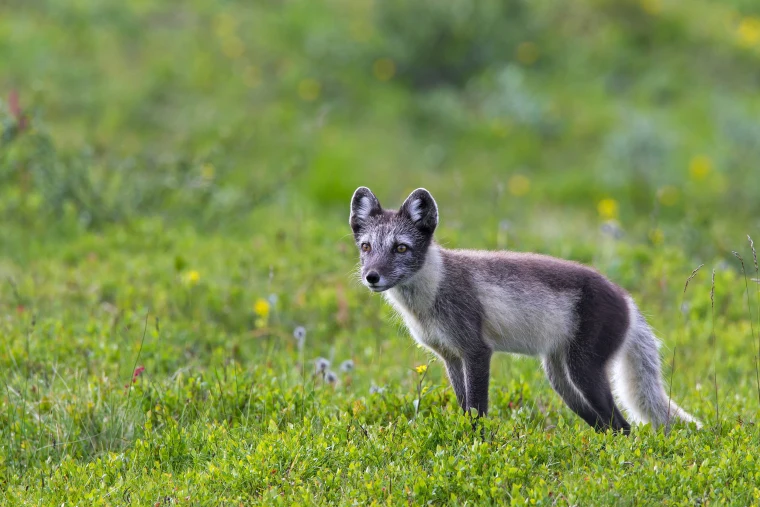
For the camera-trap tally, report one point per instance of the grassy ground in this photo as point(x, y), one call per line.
point(175, 255)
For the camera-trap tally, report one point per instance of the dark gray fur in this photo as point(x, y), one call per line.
point(465, 305)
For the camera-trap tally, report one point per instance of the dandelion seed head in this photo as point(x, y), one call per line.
point(612, 229)
point(321, 364)
point(299, 333)
point(331, 377)
point(347, 365)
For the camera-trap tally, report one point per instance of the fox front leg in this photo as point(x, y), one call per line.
point(455, 370)
point(477, 372)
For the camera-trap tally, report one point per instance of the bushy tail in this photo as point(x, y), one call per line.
point(637, 377)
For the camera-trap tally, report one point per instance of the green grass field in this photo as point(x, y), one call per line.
point(175, 252)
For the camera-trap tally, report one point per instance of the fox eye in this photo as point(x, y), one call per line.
point(401, 248)
point(366, 247)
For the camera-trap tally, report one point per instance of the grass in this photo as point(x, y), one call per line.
point(175, 258)
point(227, 410)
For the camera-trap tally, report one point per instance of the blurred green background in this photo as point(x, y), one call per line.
point(203, 112)
point(194, 161)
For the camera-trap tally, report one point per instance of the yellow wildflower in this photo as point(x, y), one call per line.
point(252, 76)
point(608, 209)
point(233, 47)
point(656, 236)
point(207, 172)
point(360, 30)
point(669, 195)
point(699, 167)
point(527, 53)
point(192, 278)
point(261, 308)
point(384, 69)
point(651, 7)
point(225, 25)
point(421, 368)
point(519, 185)
point(499, 128)
point(748, 32)
point(309, 90)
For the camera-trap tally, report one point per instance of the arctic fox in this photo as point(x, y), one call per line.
point(465, 305)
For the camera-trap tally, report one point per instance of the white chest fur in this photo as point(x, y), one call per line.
point(414, 302)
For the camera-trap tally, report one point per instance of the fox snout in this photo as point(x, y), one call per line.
point(374, 281)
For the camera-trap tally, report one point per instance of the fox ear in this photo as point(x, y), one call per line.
point(420, 208)
point(364, 205)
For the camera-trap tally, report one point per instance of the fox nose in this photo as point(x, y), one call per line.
point(373, 277)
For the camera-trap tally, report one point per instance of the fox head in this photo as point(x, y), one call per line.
point(392, 244)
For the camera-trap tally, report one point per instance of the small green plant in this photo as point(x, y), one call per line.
point(421, 389)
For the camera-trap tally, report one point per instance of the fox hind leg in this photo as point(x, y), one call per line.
point(587, 392)
point(590, 378)
point(556, 372)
